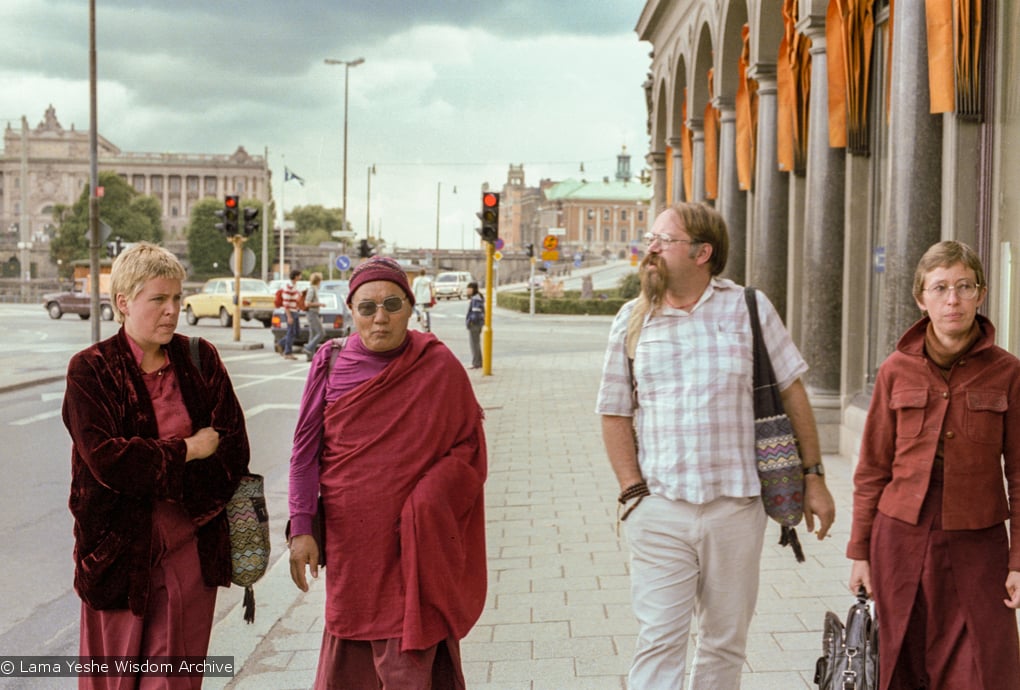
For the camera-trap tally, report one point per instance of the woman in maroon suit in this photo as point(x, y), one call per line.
point(929, 538)
point(158, 449)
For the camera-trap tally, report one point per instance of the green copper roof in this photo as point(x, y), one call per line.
point(613, 190)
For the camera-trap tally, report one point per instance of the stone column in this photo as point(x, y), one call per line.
point(657, 161)
point(822, 268)
point(768, 237)
point(676, 144)
point(915, 160)
point(697, 128)
point(732, 202)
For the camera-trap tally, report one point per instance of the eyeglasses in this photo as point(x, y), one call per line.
point(940, 291)
point(390, 304)
point(665, 240)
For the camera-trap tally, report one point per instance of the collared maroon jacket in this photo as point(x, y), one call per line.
point(120, 467)
point(976, 415)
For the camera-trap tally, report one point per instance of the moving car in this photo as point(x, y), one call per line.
point(336, 317)
point(452, 284)
point(216, 300)
point(76, 301)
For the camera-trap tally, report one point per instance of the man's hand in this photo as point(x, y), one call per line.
point(818, 503)
point(303, 552)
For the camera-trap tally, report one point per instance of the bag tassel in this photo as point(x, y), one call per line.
point(788, 537)
point(249, 604)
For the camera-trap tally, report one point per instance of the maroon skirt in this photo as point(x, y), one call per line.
point(939, 599)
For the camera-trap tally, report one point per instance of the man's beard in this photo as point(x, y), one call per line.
point(653, 283)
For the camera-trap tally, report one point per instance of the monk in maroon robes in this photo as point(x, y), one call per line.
point(390, 436)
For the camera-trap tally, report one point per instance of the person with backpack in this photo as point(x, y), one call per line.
point(475, 320)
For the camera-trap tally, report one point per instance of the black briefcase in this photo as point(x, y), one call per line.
point(849, 658)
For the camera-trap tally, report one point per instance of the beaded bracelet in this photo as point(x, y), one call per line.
point(638, 491)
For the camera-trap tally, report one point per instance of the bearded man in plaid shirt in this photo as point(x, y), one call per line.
point(678, 426)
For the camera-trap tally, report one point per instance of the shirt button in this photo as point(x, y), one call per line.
point(945, 394)
point(950, 435)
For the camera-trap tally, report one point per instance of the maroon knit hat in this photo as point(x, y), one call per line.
point(379, 268)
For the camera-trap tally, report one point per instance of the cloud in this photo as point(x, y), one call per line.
point(450, 94)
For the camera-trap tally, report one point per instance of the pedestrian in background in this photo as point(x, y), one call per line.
point(937, 479)
point(290, 312)
point(312, 304)
point(475, 320)
point(403, 512)
point(424, 297)
point(158, 448)
point(678, 426)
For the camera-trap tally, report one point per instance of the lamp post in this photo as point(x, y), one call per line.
point(439, 186)
point(347, 68)
point(368, 203)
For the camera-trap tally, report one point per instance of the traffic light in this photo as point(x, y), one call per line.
point(251, 220)
point(364, 249)
point(490, 217)
point(530, 248)
point(228, 226)
point(114, 247)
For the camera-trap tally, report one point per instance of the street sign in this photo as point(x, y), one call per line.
point(499, 243)
point(343, 262)
point(550, 242)
point(247, 261)
point(497, 256)
point(557, 231)
point(550, 255)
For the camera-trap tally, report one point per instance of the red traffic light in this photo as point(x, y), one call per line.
point(490, 200)
point(230, 202)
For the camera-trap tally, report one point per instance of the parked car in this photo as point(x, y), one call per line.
point(336, 318)
point(76, 301)
point(216, 300)
point(452, 284)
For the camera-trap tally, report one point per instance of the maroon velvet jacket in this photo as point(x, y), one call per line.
point(120, 467)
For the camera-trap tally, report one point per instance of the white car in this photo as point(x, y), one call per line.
point(452, 284)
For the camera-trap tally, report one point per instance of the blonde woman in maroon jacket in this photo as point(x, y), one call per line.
point(929, 538)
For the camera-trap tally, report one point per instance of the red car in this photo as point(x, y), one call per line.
point(77, 301)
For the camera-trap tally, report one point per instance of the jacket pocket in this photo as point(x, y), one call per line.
point(985, 413)
point(909, 408)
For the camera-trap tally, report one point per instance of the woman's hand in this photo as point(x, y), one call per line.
point(203, 444)
point(1013, 590)
point(860, 576)
point(303, 551)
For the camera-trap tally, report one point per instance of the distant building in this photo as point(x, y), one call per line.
point(49, 165)
point(603, 217)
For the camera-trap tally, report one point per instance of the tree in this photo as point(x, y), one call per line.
point(315, 224)
point(133, 217)
point(209, 252)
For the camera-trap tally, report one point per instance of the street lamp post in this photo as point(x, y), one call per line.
point(368, 203)
point(347, 68)
point(439, 186)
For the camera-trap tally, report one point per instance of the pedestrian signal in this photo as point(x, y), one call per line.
point(251, 220)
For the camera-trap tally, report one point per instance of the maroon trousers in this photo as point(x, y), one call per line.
point(380, 665)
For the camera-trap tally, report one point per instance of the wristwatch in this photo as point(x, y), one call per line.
point(818, 469)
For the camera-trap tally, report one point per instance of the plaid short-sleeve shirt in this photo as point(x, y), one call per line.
point(694, 416)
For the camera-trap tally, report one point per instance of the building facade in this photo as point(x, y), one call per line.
point(605, 217)
point(48, 165)
point(840, 142)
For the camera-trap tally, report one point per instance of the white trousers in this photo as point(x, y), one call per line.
point(686, 558)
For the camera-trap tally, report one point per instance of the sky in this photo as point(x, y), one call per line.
point(450, 94)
